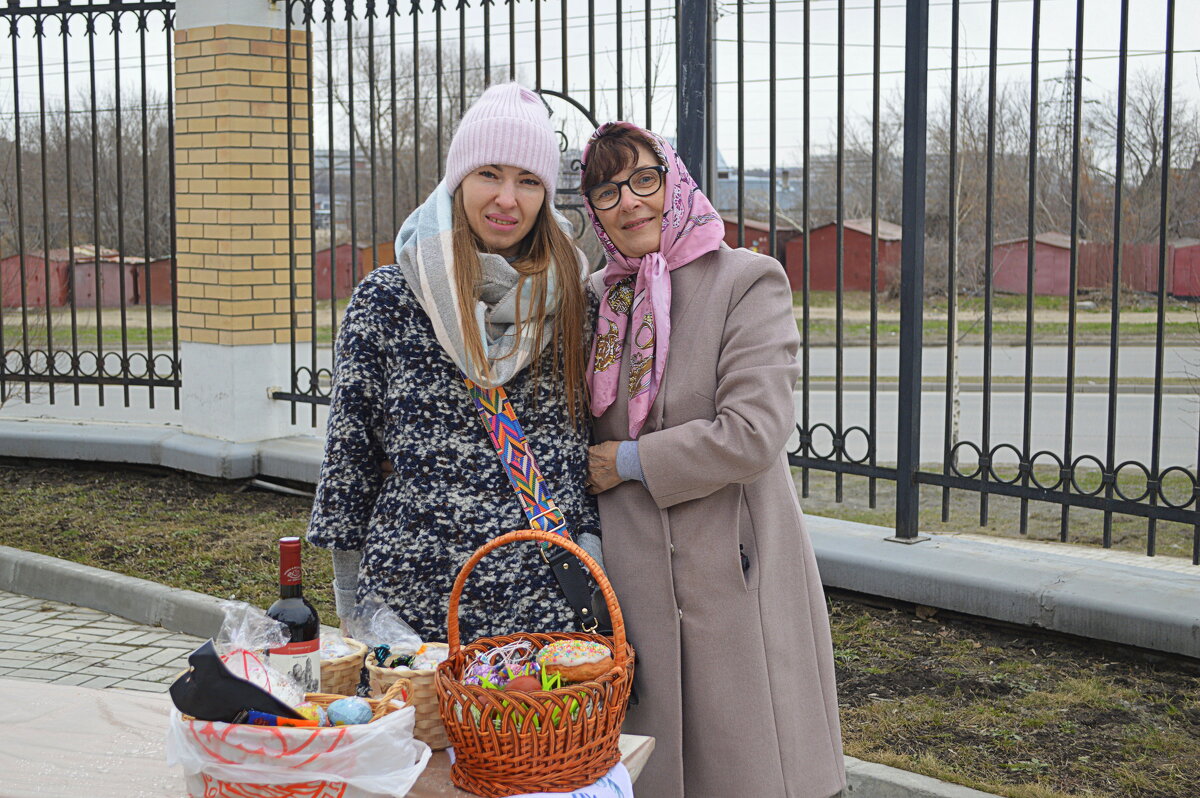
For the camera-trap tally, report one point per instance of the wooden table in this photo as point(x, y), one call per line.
point(57, 740)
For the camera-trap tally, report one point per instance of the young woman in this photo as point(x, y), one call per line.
point(486, 286)
point(691, 385)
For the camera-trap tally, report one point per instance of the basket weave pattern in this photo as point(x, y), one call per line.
point(400, 691)
point(508, 742)
point(341, 674)
point(428, 728)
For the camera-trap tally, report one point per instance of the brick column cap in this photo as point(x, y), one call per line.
point(207, 13)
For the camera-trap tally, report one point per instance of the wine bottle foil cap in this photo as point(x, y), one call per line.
point(289, 561)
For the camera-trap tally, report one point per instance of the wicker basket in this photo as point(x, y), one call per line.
point(428, 728)
point(342, 674)
point(508, 742)
point(400, 690)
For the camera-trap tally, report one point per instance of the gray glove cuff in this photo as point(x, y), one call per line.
point(345, 580)
point(343, 599)
point(592, 545)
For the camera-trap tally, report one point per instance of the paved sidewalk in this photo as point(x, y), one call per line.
point(48, 641)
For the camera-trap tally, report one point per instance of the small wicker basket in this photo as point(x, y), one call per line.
point(342, 674)
point(508, 742)
point(400, 690)
point(428, 728)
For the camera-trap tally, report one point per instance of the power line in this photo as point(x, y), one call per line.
point(656, 87)
point(961, 47)
point(380, 42)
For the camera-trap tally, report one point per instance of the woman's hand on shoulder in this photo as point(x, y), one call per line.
point(602, 467)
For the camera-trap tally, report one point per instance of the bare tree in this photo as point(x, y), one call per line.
point(127, 208)
point(1144, 153)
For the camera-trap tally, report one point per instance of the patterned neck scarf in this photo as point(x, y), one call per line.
point(640, 288)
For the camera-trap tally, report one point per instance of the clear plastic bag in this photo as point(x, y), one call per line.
point(245, 633)
point(376, 760)
point(428, 659)
point(246, 626)
point(333, 645)
point(375, 623)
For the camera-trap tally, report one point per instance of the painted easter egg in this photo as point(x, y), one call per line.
point(349, 712)
point(526, 684)
point(315, 712)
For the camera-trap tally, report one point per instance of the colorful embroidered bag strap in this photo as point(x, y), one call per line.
point(508, 439)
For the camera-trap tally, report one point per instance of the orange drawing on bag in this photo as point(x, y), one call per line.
point(275, 742)
point(215, 788)
point(233, 744)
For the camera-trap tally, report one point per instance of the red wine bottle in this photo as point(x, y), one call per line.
point(301, 656)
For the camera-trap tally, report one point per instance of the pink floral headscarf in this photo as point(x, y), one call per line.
point(640, 288)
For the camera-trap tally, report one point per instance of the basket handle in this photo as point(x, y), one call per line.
point(610, 598)
point(399, 690)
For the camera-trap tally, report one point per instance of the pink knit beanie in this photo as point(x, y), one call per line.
point(507, 125)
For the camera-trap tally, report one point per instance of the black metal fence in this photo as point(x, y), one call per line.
point(990, 220)
point(967, 145)
point(87, 265)
point(1014, 138)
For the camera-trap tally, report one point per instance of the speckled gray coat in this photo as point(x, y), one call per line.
point(398, 397)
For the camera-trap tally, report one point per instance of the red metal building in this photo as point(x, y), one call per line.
point(1052, 266)
point(1185, 267)
point(114, 270)
point(350, 265)
point(856, 261)
point(757, 237)
point(34, 279)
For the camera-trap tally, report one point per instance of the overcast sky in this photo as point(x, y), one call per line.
point(1146, 42)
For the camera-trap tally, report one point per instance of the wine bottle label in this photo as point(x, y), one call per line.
point(302, 661)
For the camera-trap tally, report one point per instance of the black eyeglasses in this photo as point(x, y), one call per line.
point(643, 182)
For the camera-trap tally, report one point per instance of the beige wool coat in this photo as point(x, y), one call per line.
point(735, 669)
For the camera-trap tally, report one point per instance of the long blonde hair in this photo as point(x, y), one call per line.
point(545, 244)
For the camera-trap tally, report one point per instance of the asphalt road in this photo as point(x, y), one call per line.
point(1179, 438)
point(1179, 362)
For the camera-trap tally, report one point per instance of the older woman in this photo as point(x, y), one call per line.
point(691, 384)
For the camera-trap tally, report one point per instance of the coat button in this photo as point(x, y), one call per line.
point(681, 613)
point(672, 548)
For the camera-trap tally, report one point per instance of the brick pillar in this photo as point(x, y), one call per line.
point(234, 242)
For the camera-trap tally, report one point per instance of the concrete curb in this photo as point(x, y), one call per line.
point(873, 780)
point(1048, 589)
point(140, 600)
point(128, 443)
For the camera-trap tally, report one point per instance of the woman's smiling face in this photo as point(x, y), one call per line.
point(634, 224)
point(502, 203)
